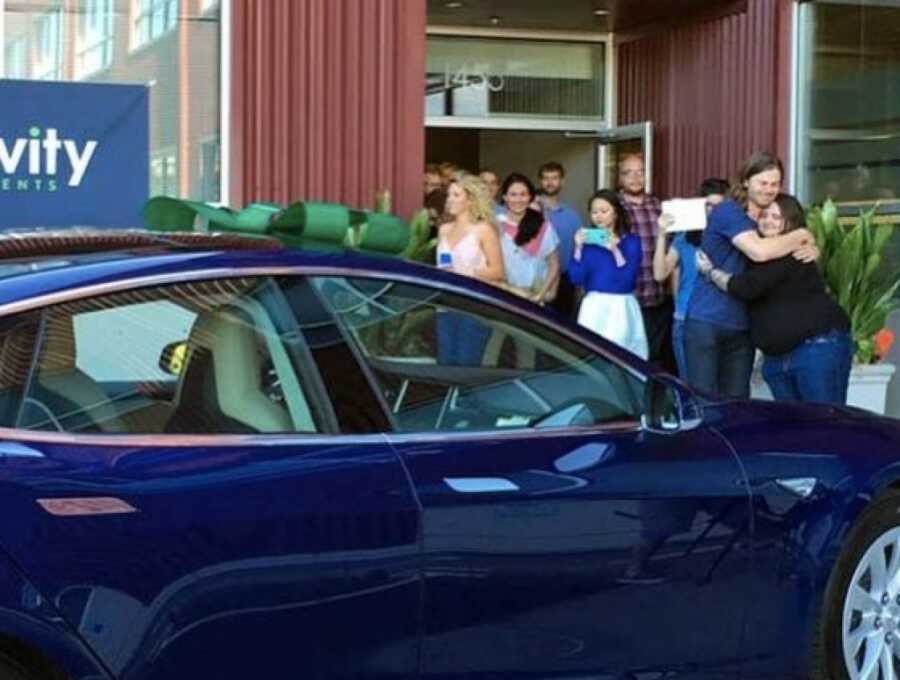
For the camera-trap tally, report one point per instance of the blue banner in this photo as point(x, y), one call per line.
point(72, 154)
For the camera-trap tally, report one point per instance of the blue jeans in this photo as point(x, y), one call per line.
point(818, 370)
point(461, 339)
point(678, 347)
point(719, 359)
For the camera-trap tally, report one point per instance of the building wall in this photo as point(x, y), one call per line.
point(327, 101)
point(716, 89)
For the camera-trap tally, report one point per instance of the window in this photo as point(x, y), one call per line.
point(48, 59)
point(153, 18)
point(196, 358)
point(94, 46)
point(16, 64)
point(17, 338)
point(444, 362)
point(502, 77)
point(849, 101)
point(164, 173)
point(210, 169)
point(94, 41)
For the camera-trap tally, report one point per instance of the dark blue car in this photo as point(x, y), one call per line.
point(221, 459)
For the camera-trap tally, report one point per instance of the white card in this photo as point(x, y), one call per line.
point(689, 213)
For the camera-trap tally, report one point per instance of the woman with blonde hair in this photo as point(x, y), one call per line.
point(467, 245)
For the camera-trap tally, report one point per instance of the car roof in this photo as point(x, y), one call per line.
point(34, 265)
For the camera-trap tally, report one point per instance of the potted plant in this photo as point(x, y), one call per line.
point(851, 261)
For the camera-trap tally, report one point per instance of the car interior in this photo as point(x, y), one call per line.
point(236, 375)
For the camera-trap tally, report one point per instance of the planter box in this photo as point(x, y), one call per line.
point(868, 386)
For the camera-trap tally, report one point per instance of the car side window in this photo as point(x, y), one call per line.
point(448, 362)
point(211, 357)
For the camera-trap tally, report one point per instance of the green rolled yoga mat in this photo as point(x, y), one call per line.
point(163, 213)
point(322, 222)
point(384, 233)
point(256, 218)
point(309, 224)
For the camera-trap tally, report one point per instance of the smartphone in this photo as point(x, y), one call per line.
point(597, 237)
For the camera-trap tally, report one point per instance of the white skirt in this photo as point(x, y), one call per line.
point(617, 317)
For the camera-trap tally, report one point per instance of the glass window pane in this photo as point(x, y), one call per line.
point(202, 358)
point(356, 406)
point(93, 46)
point(15, 59)
point(501, 77)
point(18, 335)
point(134, 42)
point(849, 108)
point(444, 362)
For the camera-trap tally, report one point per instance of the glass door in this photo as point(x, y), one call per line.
point(615, 143)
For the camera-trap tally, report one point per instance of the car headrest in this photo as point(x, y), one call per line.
point(238, 362)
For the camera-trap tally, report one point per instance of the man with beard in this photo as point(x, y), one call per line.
point(656, 304)
point(566, 222)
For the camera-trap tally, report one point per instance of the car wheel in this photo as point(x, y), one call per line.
point(860, 626)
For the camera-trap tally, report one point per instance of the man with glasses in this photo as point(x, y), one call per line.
point(644, 211)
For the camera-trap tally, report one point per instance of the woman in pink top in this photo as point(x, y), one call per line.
point(469, 245)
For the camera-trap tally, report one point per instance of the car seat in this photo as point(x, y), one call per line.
point(221, 388)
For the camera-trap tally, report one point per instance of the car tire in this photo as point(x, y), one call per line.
point(861, 609)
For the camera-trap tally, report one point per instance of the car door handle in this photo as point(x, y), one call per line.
point(480, 484)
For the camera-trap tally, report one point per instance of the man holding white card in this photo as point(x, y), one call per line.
point(677, 259)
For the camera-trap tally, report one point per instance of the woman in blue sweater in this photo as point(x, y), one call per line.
point(606, 263)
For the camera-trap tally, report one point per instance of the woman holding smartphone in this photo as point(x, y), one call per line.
point(606, 263)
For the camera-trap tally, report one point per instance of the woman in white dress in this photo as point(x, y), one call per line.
point(606, 264)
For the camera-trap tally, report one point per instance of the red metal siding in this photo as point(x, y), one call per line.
point(715, 91)
point(327, 101)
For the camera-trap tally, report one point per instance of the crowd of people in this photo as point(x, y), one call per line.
point(699, 302)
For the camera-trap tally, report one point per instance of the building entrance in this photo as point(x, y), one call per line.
point(506, 151)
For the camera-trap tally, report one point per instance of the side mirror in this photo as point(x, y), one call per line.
point(667, 409)
point(171, 360)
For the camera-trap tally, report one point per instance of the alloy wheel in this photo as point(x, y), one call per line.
point(870, 629)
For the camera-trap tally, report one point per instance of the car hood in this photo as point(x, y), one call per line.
point(793, 440)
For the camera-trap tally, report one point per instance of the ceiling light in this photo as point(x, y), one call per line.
point(453, 5)
point(601, 12)
point(494, 20)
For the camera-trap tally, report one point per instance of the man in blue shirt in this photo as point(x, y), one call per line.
point(566, 222)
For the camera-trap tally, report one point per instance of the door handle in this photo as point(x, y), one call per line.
point(480, 484)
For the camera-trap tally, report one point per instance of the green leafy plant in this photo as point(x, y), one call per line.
point(421, 244)
point(383, 201)
point(851, 262)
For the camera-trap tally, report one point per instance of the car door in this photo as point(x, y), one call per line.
point(560, 537)
point(182, 495)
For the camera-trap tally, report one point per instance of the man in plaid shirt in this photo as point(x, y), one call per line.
point(656, 303)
